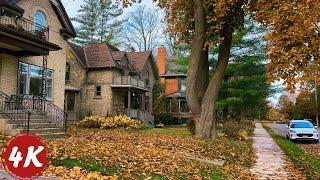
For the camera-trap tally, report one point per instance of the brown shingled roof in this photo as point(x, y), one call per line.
point(79, 52)
point(98, 56)
point(138, 60)
point(118, 54)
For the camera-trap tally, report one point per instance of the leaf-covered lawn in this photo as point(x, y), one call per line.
point(156, 153)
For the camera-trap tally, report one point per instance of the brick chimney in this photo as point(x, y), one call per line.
point(162, 61)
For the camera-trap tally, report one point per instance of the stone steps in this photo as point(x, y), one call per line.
point(39, 125)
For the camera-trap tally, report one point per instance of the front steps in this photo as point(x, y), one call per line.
point(39, 126)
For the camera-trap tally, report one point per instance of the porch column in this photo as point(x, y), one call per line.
point(170, 105)
point(44, 75)
point(179, 100)
point(129, 102)
point(143, 103)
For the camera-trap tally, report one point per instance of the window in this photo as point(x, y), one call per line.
point(98, 91)
point(30, 80)
point(182, 85)
point(68, 69)
point(40, 20)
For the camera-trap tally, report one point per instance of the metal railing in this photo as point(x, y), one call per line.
point(15, 111)
point(129, 80)
point(50, 111)
point(25, 26)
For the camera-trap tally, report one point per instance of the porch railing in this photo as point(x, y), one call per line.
point(53, 113)
point(15, 111)
point(141, 115)
point(129, 80)
point(25, 26)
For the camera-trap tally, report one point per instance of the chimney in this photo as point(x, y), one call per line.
point(162, 61)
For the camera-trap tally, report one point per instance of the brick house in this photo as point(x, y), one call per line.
point(174, 88)
point(33, 36)
point(100, 77)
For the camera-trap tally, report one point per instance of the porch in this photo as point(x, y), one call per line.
point(130, 93)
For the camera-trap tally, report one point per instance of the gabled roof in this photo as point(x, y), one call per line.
point(118, 54)
point(99, 56)
point(78, 51)
point(138, 60)
point(103, 55)
point(62, 14)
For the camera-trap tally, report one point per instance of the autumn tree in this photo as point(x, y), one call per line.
point(286, 107)
point(293, 40)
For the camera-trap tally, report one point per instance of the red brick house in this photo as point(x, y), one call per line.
point(174, 87)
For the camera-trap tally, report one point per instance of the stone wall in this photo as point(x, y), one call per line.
point(102, 105)
point(8, 74)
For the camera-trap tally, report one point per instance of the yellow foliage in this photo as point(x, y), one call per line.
point(243, 135)
point(122, 121)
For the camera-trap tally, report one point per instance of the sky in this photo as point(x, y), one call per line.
point(72, 6)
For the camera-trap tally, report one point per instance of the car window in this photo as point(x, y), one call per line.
point(301, 125)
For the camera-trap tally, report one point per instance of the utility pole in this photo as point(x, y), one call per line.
point(316, 98)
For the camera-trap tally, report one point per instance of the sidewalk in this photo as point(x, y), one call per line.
point(270, 163)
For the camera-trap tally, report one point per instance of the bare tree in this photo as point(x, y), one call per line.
point(142, 30)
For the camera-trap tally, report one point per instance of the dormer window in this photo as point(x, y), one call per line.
point(40, 19)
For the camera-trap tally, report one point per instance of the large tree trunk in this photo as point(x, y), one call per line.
point(198, 73)
point(205, 125)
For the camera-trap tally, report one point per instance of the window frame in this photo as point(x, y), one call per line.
point(96, 91)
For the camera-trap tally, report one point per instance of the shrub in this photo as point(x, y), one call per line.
point(191, 124)
point(92, 122)
point(237, 129)
point(144, 127)
point(163, 118)
point(121, 121)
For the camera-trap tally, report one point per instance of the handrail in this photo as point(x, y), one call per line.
point(25, 26)
point(14, 111)
point(52, 112)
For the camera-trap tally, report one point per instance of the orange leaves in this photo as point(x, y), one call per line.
point(140, 153)
point(293, 39)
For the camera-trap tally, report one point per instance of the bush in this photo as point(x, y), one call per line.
point(91, 122)
point(237, 129)
point(121, 121)
point(163, 118)
point(191, 124)
point(144, 127)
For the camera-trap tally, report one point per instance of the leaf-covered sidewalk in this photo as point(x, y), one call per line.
point(271, 162)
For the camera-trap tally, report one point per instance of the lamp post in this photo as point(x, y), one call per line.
point(316, 98)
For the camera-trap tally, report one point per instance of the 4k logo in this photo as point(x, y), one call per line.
point(25, 156)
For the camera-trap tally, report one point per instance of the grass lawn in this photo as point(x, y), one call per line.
point(154, 153)
point(309, 164)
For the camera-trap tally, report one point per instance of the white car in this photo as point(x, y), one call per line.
point(302, 130)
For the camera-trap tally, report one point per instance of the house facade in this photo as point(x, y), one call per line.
point(174, 84)
point(102, 80)
point(33, 36)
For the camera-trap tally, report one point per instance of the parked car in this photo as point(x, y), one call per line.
point(302, 130)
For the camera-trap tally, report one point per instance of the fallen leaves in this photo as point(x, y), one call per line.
point(139, 153)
